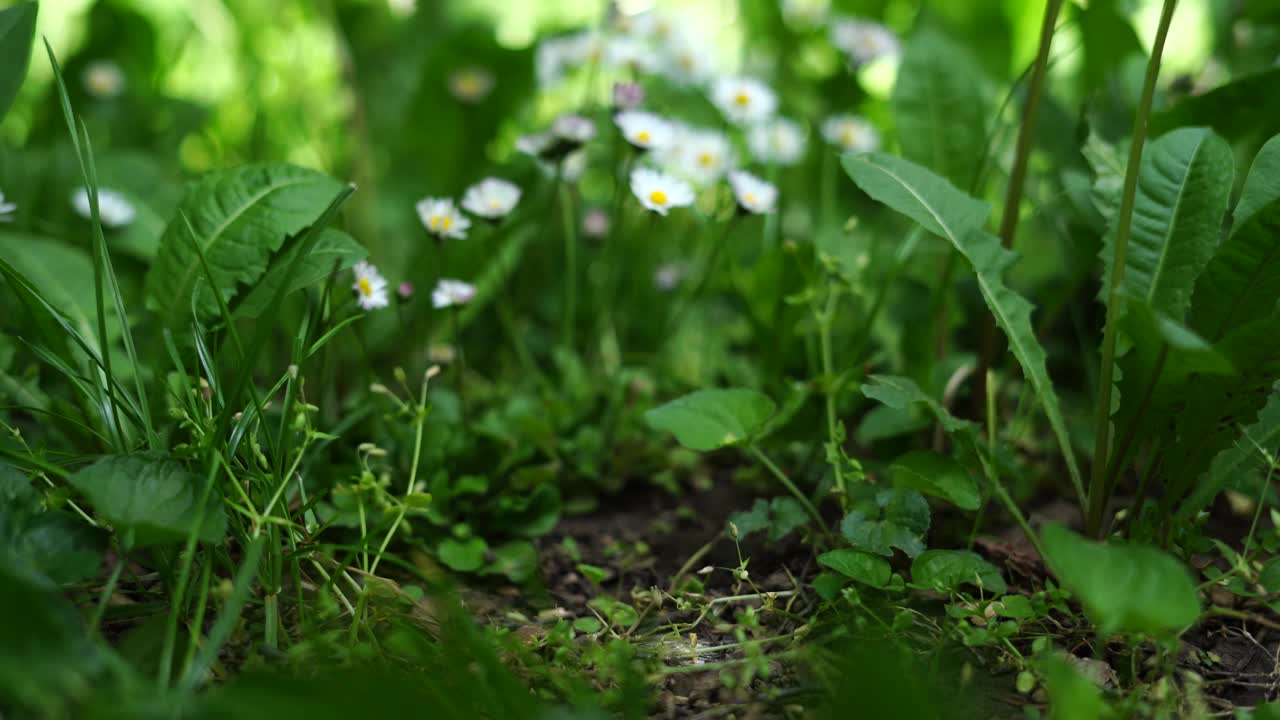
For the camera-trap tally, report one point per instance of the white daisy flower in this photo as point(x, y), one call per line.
point(753, 194)
point(552, 58)
point(686, 62)
point(491, 198)
point(370, 287)
point(777, 142)
point(660, 192)
point(573, 128)
point(631, 54)
point(114, 209)
point(706, 156)
point(6, 209)
point(103, 79)
point(449, 292)
point(643, 129)
point(441, 218)
point(850, 133)
point(534, 143)
point(471, 84)
point(743, 100)
point(863, 40)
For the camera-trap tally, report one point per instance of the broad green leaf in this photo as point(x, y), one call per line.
point(48, 660)
point(935, 474)
point(940, 108)
point(1184, 184)
point(1108, 165)
point(517, 560)
point(1072, 695)
point(901, 393)
point(62, 274)
point(334, 250)
point(947, 570)
point(463, 555)
point(828, 584)
point(899, 519)
point(154, 497)
point(239, 218)
point(1123, 587)
point(1254, 108)
point(779, 516)
point(711, 419)
point(48, 542)
point(17, 30)
point(1239, 459)
point(865, 568)
point(1242, 281)
point(949, 213)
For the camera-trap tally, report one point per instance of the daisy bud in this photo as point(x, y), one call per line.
point(595, 223)
point(627, 95)
point(405, 291)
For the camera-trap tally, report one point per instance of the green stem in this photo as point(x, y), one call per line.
point(790, 486)
point(571, 260)
point(1097, 498)
point(107, 591)
point(825, 319)
point(1018, 178)
point(418, 425)
point(460, 374)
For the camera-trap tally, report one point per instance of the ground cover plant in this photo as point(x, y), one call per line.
point(862, 358)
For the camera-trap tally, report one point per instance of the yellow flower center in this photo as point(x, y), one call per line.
point(849, 136)
point(643, 136)
point(706, 159)
point(493, 204)
point(657, 197)
point(366, 288)
point(441, 222)
point(750, 199)
point(686, 62)
point(742, 99)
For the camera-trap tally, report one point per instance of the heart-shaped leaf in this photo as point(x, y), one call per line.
point(712, 419)
point(935, 474)
point(865, 568)
point(900, 519)
point(779, 516)
point(463, 555)
point(1123, 587)
point(155, 497)
point(946, 570)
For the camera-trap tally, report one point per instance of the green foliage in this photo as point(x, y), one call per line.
point(779, 516)
point(940, 79)
point(44, 542)
point(952, 215)
point(334, 251)
point(712, 419)
point(1123, 588)
point(935, 474)
point(864, 567)
point(17, 31)
point(896, 517)
point(237, 219)
point(150, 499)
point(947, 570)
point(1074, 696)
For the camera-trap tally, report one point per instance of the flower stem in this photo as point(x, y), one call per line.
point(571, 260)
point(825, 319)
point(790, 486)
point(1097, 498)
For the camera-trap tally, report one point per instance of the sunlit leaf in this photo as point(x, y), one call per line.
point(711, 419)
